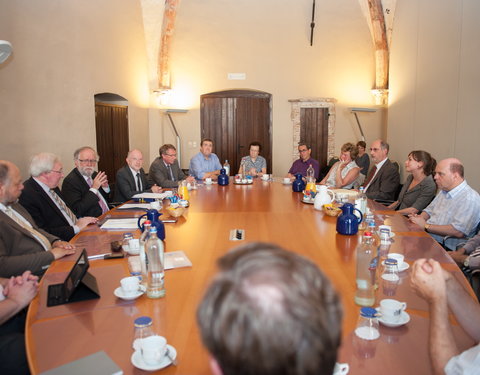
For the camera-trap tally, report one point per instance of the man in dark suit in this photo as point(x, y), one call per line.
point(165, 170)
point(131, 178)
point(85, 190)
point(383, 179)
point(23, 246)
point(43, 200)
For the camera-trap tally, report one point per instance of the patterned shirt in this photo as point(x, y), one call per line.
point(459, 207)
point(258, 164)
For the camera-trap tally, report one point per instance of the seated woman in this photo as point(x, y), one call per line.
point(255, 165)
point(419, 188)
point(363, 161)
point(344, 172)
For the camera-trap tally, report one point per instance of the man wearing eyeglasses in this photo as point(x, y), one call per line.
point(131, 179)
point(383, 179)
point(165, 170)
point(23, 245)
point(43, 200)
point(85, 190)
point(301, 165)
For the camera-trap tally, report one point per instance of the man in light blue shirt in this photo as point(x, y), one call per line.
point(205, 164)
point(455, 211)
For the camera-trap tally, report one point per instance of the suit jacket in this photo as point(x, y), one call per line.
point(125, 187)
point(159, 174)
point(44, 210)
point(19, 250)
point(78, 196)
point(385, 184)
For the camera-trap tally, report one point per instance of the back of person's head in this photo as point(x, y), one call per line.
point(429, 163)
point(42, 163)
point(457, 167)
point(4, 172)
point(384, 146)
point(271, 312)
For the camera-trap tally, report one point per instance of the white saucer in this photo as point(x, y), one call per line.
point(119, 293)
point(287, 183)
point(308, 201)
point(403, 267)
point(138, 362)
point(404, 319)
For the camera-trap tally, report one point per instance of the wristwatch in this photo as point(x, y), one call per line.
point(427, 227)
point(466, 262)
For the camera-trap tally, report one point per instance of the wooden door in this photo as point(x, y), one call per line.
point(314, 131)
point(111, 124)
point(233, 119)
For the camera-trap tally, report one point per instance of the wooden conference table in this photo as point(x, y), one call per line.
point(268, 211)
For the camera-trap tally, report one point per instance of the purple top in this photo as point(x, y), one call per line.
point(300, 166)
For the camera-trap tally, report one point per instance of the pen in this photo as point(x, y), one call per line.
point(98, 256)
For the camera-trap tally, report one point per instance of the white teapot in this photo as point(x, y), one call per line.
point(324, 196)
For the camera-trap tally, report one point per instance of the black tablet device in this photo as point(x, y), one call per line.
point(78, 286)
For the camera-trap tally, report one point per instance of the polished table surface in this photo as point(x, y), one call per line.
point(268, 211)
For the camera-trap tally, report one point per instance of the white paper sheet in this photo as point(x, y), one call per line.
point(154, 195)
point(120, 224)
point(140, 206)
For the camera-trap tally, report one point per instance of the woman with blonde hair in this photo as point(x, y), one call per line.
point(344, 172)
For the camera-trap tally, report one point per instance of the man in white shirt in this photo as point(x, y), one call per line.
point(442, 291)
point(43, 200)
point(23, 246)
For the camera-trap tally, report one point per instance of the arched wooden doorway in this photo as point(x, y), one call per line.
point(111, 125)
point(233, 119)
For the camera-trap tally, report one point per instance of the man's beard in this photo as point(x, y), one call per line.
point(87, 172)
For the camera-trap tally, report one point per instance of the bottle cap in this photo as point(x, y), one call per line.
point(390, 262)
point(368, 312)
point(143, 321)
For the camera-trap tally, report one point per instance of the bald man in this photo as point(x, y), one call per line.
point(131, 178)
point(455, 211)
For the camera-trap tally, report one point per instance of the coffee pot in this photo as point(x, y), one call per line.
point(324, 196)
point(222, 177)
point(347, 222)
point(298, 185)
point(154, 217)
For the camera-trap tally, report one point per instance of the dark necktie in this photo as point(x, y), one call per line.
point(170, 172)
point(139, 182)
point(370, 176)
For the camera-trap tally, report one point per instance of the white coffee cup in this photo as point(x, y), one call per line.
point(341, 369)
point(386, 228)
point(391, 309)
point(130, 285)
point(208, 181)
point(398, 257)
point(153, 349)
point(134, 246)
point(265, 177)
point(286, 180)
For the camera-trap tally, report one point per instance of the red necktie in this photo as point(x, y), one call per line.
point(370, 176)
